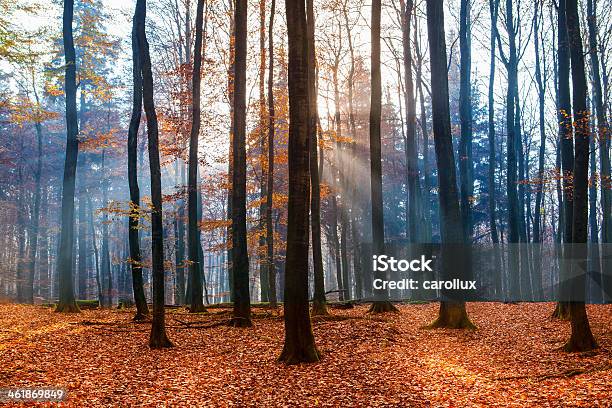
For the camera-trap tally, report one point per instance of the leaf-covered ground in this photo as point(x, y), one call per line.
point(512, 360)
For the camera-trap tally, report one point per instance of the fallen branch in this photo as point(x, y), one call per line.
point(563, 374)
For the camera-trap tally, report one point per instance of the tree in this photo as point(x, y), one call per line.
point(452, 313)
point(142, 309)
point(299, 346)
point(158, 337)
point(193, 233)
point(319, 306)
point(381, 296)
point(466, 163)
point(492, 205)
point(567, 147)
point(271, 268)
point(581, 339)
point(240, 255)
point(67, 302)
point(603, 132)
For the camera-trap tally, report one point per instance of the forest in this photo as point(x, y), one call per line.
point(398, 203)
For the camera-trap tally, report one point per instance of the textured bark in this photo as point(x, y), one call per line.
point(581, 338)
point(271, 268)
point(158, 337)
point(193, 233)
point(299, 346)
point(263, 187)
point(381, 296)
point(603, 133)
point(452, 314)
point(140, 300)
point(494, 12)
point(466, 163)
point(537, 223)
point(240, 256)
point(319, 303)
point(67, 302)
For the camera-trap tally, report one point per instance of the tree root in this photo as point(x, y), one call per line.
point(383, 307)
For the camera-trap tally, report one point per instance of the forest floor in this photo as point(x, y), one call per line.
point(102, 359)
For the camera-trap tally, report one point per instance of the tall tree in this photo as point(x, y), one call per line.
point(299, 344)
point(581, 339)
point(603, 132)
point(240, 256)
point(142, 309)
point(492, 204)
point(193, 234)
point(381, 296)
point(466, 163)
point(319, 306)
point(452, 312)
point(271, 268)
point(158, 337)
point(541, 82)
point(566, 135)
point(67, 302)
point(412, 169)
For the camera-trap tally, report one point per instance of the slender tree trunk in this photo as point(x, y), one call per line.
point(581, 339)
point(299, 344)
point(158, 337)
point(240, 261)
point(567, 148)
point(603, 132)
point(92, 231)
point(107, 273)
point(452, 313)
point(230, 165)
point(263, 187)
point(319, 304)
point(537, 223)
point(142, 310)
point(193, 236)
point(29, 292)
point(466, 163)
point(269, 202)
point(381, 296)
point(492, 204)
point(67, 302)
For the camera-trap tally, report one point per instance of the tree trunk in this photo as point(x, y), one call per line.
point(140, 300)
point(381, 296)
point(567, 148)
point(299, 346)
point(603, 131)
point(466, 163)
point(29, 292)
point(452, 313)
point(158, 337)
point(537, 223)
point(319, 303)
point(494, 11)
point(193, 236)
point(107, 272)
point(271, 268)
point(581, 338)
point(67, 302)
point(240, 256)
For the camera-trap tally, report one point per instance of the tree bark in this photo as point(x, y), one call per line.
point(381, 296)
point(452, 313)
point(581, 338)
point(193, 236)
point(142, 309)
point(466, 163)
point(271, 268)
point(158, 337)
point(319, 303)
point(67, 301)
point(299, 346)
point(240, 256)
